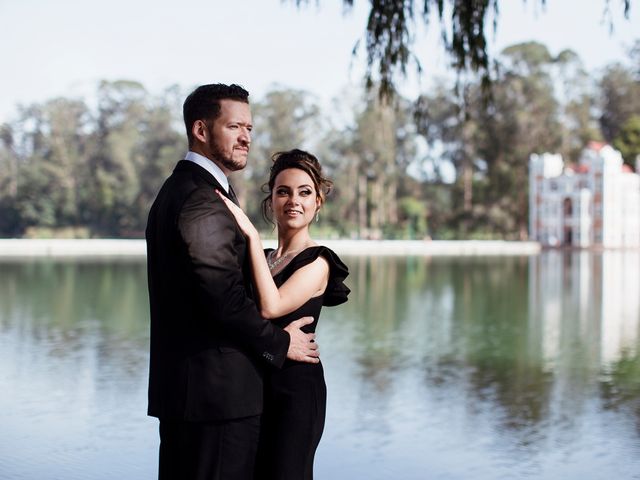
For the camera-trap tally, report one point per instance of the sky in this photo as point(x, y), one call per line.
point(65, 47)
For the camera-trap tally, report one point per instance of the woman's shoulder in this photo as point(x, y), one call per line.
point(336, 292)
point(336, 265)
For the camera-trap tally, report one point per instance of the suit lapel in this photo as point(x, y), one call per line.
point(186, 165)
point(232, 195)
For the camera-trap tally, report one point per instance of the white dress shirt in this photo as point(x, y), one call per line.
point(210, 167)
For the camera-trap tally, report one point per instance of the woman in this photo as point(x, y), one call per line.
point(294, 280)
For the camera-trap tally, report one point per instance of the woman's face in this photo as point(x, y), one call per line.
point(294, 199)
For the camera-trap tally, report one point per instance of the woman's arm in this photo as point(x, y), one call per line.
point(305, 283)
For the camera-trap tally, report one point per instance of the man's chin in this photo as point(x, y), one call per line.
point(235, 164)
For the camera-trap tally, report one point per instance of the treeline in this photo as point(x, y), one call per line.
point(451, 164)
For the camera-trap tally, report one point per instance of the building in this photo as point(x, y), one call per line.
point(595, 203)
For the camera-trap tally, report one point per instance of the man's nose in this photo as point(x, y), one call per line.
point(245, 136)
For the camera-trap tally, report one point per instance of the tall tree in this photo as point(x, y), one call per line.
point(578, 104)
point(523, 120)
point(374, 153)
point(450, 127)
point(489, 143)
point(162, 144)
point(45, 151)
point(118, 157)
point(620, 96)
point(65, 159)
point(9, 220)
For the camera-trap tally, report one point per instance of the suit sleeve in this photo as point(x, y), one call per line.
point(209, 232)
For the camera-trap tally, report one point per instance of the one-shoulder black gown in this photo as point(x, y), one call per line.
point(295, 397)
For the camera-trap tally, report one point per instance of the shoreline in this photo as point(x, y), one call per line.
point(124, 248)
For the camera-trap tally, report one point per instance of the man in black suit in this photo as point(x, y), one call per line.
point(208, 342)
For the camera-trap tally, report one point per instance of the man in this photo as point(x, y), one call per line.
point(208, 342)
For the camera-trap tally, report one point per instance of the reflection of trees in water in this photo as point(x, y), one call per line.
point(467, 325)
point(620, 386)
point(376, 321)
point(452, 320)
point(382, 291)
point(525, 338)
point(374, 305)
point(69, 307)
point(490, 322)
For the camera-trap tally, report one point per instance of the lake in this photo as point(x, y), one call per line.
point(437, 368)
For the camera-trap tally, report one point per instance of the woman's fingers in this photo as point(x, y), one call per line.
point(226, 200)
point(235, 210)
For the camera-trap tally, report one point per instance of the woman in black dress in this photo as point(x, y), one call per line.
point(292, 281)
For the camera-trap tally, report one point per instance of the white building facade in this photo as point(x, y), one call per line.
point(595, 203)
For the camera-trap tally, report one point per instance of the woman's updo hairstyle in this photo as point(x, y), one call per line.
point(295, 159)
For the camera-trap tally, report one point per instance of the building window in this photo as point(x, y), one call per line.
point(567, 205)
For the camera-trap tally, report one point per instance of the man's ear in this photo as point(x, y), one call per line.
point(200, 131)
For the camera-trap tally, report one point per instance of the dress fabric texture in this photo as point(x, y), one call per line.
point(295, 396)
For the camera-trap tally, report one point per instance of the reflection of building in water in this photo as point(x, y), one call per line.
point(593, 203)
point(620, 303)
point(586, 305)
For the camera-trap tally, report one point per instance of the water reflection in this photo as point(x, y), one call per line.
point(449, 368)
point(73, 364)
point(489, 367)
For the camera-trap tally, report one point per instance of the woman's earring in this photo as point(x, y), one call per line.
point(317, 215)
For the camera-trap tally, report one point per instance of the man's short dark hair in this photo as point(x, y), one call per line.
point(204, 103)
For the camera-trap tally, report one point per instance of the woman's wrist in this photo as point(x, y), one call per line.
point(253, 236)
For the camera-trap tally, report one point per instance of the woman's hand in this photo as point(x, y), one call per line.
point(241, 218)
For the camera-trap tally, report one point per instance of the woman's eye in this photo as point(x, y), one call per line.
point(305, 192)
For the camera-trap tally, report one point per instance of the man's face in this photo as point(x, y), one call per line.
point(230, 136)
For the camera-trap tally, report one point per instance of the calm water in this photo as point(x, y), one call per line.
point(441, 368)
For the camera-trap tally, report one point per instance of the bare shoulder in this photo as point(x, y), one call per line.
point(319, 266)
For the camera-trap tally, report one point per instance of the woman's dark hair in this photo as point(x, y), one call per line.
point(301, 160)
point(204, 103)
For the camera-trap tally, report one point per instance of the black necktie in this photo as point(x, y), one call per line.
point(232, 195)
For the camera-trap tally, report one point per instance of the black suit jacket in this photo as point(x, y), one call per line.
point(207, 337)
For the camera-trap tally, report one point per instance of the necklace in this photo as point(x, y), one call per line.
point(273, 264)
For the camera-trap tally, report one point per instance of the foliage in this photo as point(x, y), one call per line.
point(620, 106)
point(446, 166)
point(390, 33)
point(628, 141)
point(70, 168)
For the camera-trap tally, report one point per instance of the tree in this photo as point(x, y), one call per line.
point(390, 34)
point(489, 143)
point(161, 146)
point(117, 158)
point(65, 158)
point(371, 156)
point(523, 119)
point(628, 141)
point(578, 103)
point(46, 152)
point(619, 95)
point(63, 165)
